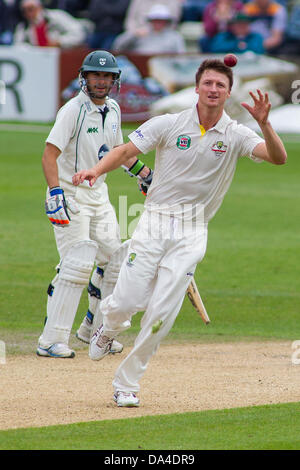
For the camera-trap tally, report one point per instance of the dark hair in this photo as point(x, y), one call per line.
point(218, 66)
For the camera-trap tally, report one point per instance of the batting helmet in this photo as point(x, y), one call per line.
point(99, 61)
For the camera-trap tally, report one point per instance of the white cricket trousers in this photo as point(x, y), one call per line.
point(153, 278)
point(96, 222)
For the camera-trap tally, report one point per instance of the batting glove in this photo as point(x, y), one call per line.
point(57, 207)
point(144, 183)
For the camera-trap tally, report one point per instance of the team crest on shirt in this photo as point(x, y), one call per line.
point(219, 148)
point(131, 259)
point(183, 142)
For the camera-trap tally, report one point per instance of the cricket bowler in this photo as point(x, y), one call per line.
point(197, 151)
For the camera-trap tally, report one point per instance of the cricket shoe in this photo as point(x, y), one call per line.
point(56, 350)
point(126, 399)
point(84, 334)
point(116, 347)
point(100, 345)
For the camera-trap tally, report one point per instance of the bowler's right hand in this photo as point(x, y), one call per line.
point(82, 175)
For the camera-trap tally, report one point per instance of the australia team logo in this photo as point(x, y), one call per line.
point(131, 259)
point(183, 142)
point(219, 148)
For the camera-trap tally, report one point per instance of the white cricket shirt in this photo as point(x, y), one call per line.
point(192, 167)
point(79, 133)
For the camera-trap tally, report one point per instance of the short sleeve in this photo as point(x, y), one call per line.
point(249, 140)
point(150, 134)
point(63, 128)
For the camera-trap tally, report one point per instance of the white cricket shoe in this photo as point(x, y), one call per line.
point(128, 399)
point(100, 345)
point(84, 331)
point(116, 347)
point(84, 334)
point(56, 350)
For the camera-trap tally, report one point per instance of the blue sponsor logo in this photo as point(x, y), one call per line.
point(139, 133)
point(102, 151)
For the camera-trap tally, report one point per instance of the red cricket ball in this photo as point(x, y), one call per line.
point(230, 60)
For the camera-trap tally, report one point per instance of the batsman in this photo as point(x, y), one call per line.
point(85, 226)
point(197, 151)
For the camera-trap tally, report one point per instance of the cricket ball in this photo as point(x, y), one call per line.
point(230, 60)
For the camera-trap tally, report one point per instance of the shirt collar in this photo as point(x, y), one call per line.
point(222, 123)
point(88, 103)
point(220, 126)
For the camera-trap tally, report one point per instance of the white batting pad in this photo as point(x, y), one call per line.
point(77, 265)
point(73, 276)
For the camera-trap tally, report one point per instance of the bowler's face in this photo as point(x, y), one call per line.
point(213, 89)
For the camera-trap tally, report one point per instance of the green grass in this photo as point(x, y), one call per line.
point(249, 281)
point(275, 427)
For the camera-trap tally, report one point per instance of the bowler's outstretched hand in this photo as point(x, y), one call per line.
point(81, 176)
point(261, 107)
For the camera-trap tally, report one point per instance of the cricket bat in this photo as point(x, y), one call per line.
point(195, 298)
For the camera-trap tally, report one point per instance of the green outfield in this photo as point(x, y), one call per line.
point(249, 280)
point(261, 428)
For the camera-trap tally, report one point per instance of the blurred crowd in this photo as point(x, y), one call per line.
point(150, 27)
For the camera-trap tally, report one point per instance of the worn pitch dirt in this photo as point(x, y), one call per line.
point(187, 377)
